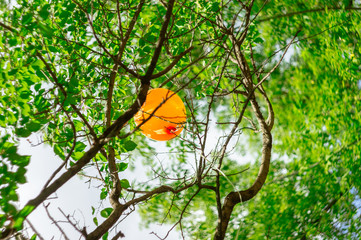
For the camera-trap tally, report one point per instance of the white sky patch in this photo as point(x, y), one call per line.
point(75, 198)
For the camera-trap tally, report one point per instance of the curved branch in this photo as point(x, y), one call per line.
point(117, 212)
point(234, 198)
point(270, 119)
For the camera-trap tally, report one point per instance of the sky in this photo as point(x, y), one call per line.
point(75, 197)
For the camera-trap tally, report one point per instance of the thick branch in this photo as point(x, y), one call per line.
point(117, 212)
point(158, 48)
point(112, 131)
point(114, 195)
point(7, 27)
point(234, 198)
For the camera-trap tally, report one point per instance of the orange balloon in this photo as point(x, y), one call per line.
point(168, 120)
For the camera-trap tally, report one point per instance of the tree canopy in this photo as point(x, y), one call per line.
point(257, 77)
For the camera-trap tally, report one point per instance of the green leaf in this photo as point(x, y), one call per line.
point(258, 40)
point(22, 132)
point(77, 155)
point(103, 195)
point(37, 87)
point(12, 196)
point(26, 18)
point(52, 125)
point(44, 13)
point(71, 7)
point(71, 100)
point(46, 30)
point(93, 210)
point(105, 236)
point(33, 237)
point(53, 49)
point(10, 208)
point(13, 72)
point(18, 223)
point(122, 166)
point(59, 151)
point(20, 175)
point(105, 213)
point(130, 145)
point(80, 146)
point(26, 211)
point(19, 160)
point(11, 150)
point(95, 220)
point(25, 95)
point(33, 126)
point(215, 7)
point(124, 183)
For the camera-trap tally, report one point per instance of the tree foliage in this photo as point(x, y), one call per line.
point(74, 73)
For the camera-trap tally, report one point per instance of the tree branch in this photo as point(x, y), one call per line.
point(170, 66)
point(53, 220)
point(234, 198)
point(63, 91)
point(117, 212)
point(8, 27)
point(115, 193)
point(34, 230)
point(279, 62)
point(158, 48)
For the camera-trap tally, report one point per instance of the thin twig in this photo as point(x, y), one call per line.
point(55, 222)
point(34, 229)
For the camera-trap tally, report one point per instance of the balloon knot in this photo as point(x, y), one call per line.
point(170, 129)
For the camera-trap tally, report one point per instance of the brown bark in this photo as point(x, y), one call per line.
point(234, 198)
point(120, 208)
